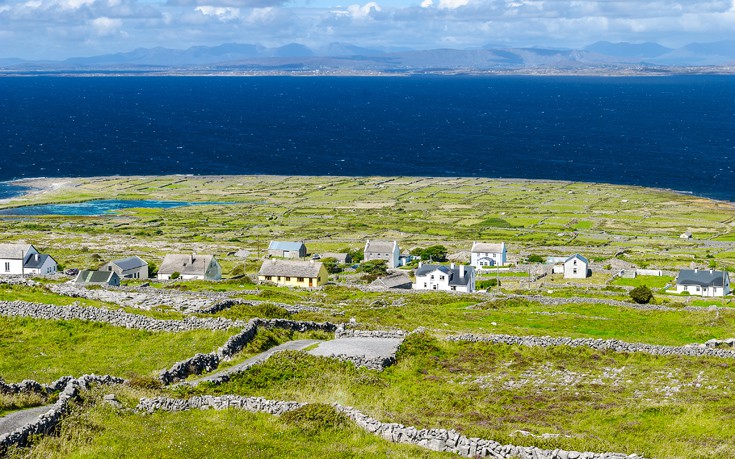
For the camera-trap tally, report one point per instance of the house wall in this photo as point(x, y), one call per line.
point(575, 269)
point(14, 267)
point(291, 281)
point(48, 267)
point(498, 259)
point(426, 283)
point(703, 291)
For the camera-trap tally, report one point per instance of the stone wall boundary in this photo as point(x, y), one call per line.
point(433, 439)
point(692, 350)
point(48, 421)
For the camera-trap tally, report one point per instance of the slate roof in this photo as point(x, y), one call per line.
point(483, 247)
point(32, 263)
point(183, 264)
point(94, 277)
point(284, 245)
point(393, 280)
point(453, 273)
point(701, 277)
point(579, 257)
point(379, 246)
point(129, 263)
point(340, 257)
point(13, 251)
point(290, 268)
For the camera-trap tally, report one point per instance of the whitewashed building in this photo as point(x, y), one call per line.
point(194, 266)
point(484, 255)
point(383, 250)
point(703, 282)
point(20, 259)
point(129, 268)
point(449, 278)
point(576, 267)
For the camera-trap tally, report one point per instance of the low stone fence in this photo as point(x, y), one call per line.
point(226, 304)
point(28, 386)
point(695, 350)
point(553, 301)
point(433, 439)
point(344, 332)
point(114, 317)
point(209, 362)
point(47, 421)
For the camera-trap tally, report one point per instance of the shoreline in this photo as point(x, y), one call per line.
point(34, 186)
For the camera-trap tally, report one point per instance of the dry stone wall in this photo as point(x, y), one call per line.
point(48, 421)
point(28, 386)
point(695, 350)
point(434, 439)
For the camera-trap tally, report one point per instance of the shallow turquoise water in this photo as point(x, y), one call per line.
point(102, 207)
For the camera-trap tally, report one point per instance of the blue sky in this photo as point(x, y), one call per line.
point(57, 29)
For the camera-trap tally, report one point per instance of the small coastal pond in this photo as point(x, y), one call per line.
point(95, 208)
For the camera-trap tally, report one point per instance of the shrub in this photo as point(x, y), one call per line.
point(331, 265)
point(175, 275)
point(641, 294)
point(487, 283)
point(419, 344)
point(316, 417)
point(374, 267)
point(535, 259)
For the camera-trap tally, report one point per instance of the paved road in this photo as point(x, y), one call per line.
point(242, 366)
point(370, 348)
point(12, 421)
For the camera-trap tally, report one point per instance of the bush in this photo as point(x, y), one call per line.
point(373, 267)
point(175, 275)
point(419, 344)
point(315, 417)
point(641, 294)
point(487, 283)
point(331, 265)
point(433, 253)
point(535, 259)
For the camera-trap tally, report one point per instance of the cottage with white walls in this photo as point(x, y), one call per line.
point(484, 255)
point(194, 266)
point(448, 278)
point(383, 250)
point(576, 267)
point(703, 282)
point(21, 259)
point(128, 268)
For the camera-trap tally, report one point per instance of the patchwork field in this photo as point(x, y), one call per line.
point(571, 398)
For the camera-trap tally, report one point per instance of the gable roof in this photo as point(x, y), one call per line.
point(194, 264)
point(95, 277)
point(285, 245)
point(290, 268)
point(129, 263)
point(453, 273)
point(380, 246)
point(578, 257)
point(393, 280)
point(34, 263)
point(340, 257)
point(701, 277)
point(484, 247)
point(13, 251)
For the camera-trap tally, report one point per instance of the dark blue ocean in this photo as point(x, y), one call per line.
point(671, 132)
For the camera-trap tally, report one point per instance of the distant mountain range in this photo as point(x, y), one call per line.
point(351, 58)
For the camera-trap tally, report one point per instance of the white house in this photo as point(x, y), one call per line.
point(194, 266)
point(484, 255)
point(576, 267)
point(20, 259)
point(441, 277)
point(703, 282)
point(130, 268)
point(383, 250)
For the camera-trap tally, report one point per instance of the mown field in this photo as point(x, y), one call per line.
point(663, 407)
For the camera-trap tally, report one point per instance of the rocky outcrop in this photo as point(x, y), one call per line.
point(434, 439)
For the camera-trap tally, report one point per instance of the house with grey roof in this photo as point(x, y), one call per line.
point(192, 266)
point(21, 258)
point(128, 268)
point(454, 278)
point(383, 250)
point(703, 282)
point(484, 255)
point(293, 273)
point(88, 277)
point(576, 267)
point(285, 249)
point(394, 280)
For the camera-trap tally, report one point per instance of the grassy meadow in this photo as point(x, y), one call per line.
point(662, 407)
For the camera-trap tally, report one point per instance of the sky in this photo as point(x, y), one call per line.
point(58, 29)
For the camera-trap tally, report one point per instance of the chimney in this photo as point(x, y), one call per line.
point(461, 270)
point(696, 270)
point(38, 256)
point(452, 266)
point(421, 263)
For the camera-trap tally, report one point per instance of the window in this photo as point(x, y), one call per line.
point(288, 279)
point(425, 285)
point(432, 277)
point(300, 279)
point(435, 287)
point(454, 288)
point(574, 271)
point(268, 277)
point(7, 266)
point(441, 277)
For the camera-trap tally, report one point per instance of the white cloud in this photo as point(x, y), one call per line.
point(105, 26)
point(225, 13)
point(364, 11)
point(452, 4)
point(428, 3)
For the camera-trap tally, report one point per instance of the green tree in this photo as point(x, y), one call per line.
point(433, 253)
point(331, 265)
point(535, 259)
point(641, 294)
point(357, 255)
point(374, 267)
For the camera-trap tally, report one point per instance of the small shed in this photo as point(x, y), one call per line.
point(88, 277)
